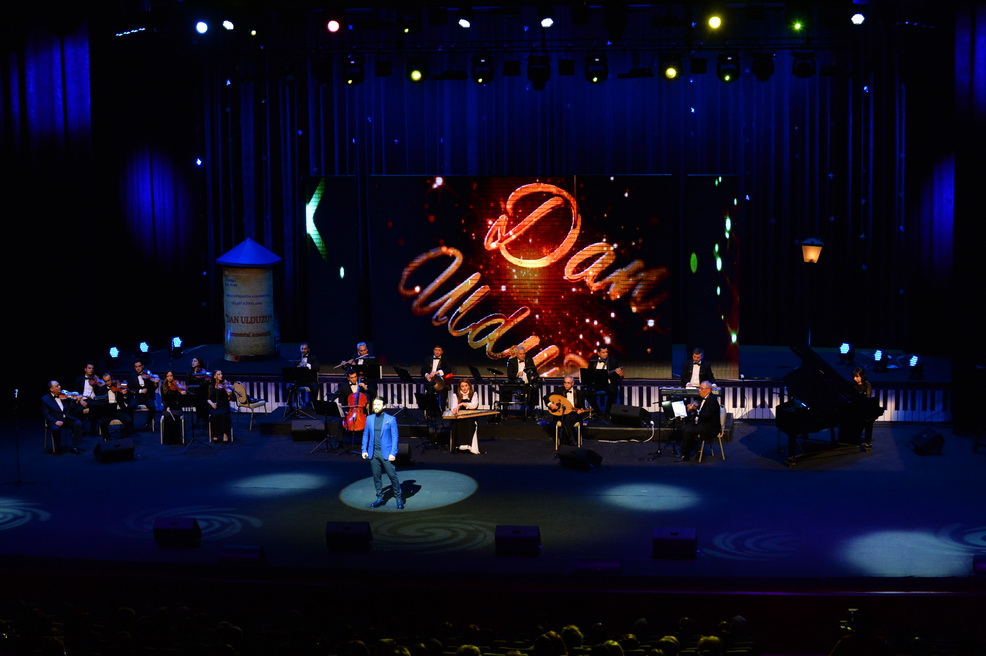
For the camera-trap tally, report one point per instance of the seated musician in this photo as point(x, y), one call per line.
point(576, 400)
point(116, 402)
point(220, 415)
point(521, 370)
point(361, 357)
point(143, 391)
point(90, 386)
point(353, 384)
point(465, 430)
point(58, 409)
point(172, 392)
point(310, 362)
point(702, 422)
point(436, 373)
point(696, 370)
point(199, 380)
point(602, 399)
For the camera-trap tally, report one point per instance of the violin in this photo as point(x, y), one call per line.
point(357, 403)
point(96, 381)
point(176, 386)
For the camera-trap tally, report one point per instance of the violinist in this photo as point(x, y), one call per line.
point(220, 414)
point(143, 392)
point(198, 386)
point(90, 386)
point(58, 409)
point(115, 406)
point(354, 395)
point(172, 391)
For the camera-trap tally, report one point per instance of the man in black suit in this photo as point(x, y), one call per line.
point(142, 387)
point(113, 406)
point(89, 387)
point(577, 399)
point(702, 422)
point(697, 370)
point(603, 399)
point(58, 417)
point(436, 373)
point(310, 362)
point(521, 370)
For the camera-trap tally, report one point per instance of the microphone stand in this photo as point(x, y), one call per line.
point(18, 482)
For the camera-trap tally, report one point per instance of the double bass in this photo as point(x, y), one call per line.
point(356, 410)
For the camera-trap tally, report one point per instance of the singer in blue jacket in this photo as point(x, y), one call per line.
point(380, 448)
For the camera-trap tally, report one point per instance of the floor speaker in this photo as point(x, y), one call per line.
point(680, 543)
point(403, 454)
point(629, 415)
point(177, 532)
point(114, 450)
point(518, 540)
point(928, 442)
point(581, 459)
point(348, 537)
point(307, 429)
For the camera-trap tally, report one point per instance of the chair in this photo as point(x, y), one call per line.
point(244, 400)
point(724, 419)
point(145, 408)
point(48, 437)
point(109, 428)
point(578, 433)
point(181, 428)
point(230, 431)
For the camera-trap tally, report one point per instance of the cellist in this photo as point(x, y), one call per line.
point(355, 395)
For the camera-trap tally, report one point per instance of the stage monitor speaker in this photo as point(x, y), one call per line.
point(678, 543)
point(114, 450)
point(518, 540)
point(307, 429)
point(348, 537)
point(581, 459)
point(177, 532)
point(629, 415)
point(403, 454)
point(928, 442)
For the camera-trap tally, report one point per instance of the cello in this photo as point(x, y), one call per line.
point(356, 410)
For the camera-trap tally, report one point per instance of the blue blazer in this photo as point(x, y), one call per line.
point(388, 436)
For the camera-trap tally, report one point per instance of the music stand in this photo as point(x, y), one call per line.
point(596, 380)
point(405, 377)
point(476, 376)
point(296, 377)
point(328, 408)
point(429, 404)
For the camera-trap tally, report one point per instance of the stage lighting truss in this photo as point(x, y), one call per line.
point(538, 70)
point(804, 64)
point(596, 68)
point(728, 66)
point(483, 70)
point(762, 66)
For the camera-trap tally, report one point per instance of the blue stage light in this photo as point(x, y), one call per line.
point(201, 27)
point(114, 352)
point(144, 347)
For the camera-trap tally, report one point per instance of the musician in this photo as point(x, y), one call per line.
point(434, 372)
point(90, 386)
point(172, 392)
point(361, 358)
point(521, 370)
point(380, 448)
point(220, 414)
point(465, 430)
point(702, 422)
point(199, 380)
point(697, 370)
point(346, 390)
point(310, 362)
point(58, 417)
point(603, 399)
point(117, 398)
point(578, 401)
point(142, 389)
point(855, 433)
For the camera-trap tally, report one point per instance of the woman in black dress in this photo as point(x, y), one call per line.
point(863, 387)
point(220, 415)
point(171, 393)
point(464, 431)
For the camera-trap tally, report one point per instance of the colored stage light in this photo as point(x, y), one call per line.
point(763, 65)
point(483, 70)
point(465, 17)
point(417, 69)
point(175, 347)
point(596, 68)
point(727, 66)
point(847, 353)
point(114, 352)
point(143, 347)
point(916, 368)
point(201, 27)
point(333, 26)
point(811, 250)
point(857, 18)
point(879, 361)
point(228, 25)
point(671, 67)
point(353, 70)
point(538, 70)
point(715, 21)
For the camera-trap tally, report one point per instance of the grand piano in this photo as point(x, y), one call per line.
point(820, 398)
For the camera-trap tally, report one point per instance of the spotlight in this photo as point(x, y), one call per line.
point(143, 347)
point(596, 68)
point(538, 70)
point(811, 250)
point(847, 353)
point(879, 362)
point(763, 65)
point(804, 64)
point(201, 27)
point(465, 17)
point(333, 25)
point(175, 347)
point(353, 71)
point(483, 70)
point(545, 16)
point(228, 25)
point(727, 66)
point(916, 367)
point(114, 355)
point(417, 69)
point(671, 67)
point(857, 19)
point(715, 21)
